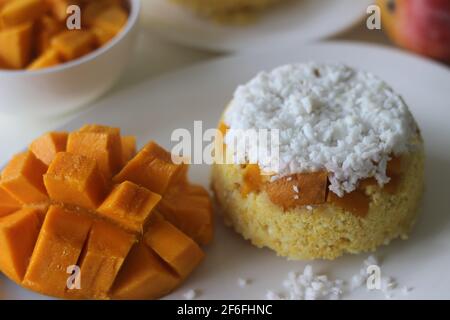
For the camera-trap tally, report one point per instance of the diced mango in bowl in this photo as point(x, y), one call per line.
point(36, 34)
point(130, 222)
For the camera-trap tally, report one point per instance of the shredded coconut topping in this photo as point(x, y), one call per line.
point(329, 116)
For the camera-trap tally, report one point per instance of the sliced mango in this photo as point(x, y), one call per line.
point(367, 183)
point(190, 213)
point(393, 184)
point(152, 168)
point(72, 44)
point(174, 247)
point(252, 180)
point(100, 143)
point(144, 276)
point(58, 247)
point(222, 127)
point(394, 171)
point(128, 148)
point(111, 20)
point(8, 203)
point(94, 8)
point(47, 146)
point(34, 33)
point(130, 206)
point(47, 59)
point(298, 190)
point(75, 179)
point(355, 202)
point(18, 234)
point(17, 12)
point(15, 46)
point(22, 178)
point(196, 190)
point(219, 143)
point(105, 252)
point(47, 27)
point(2, 3)
point(102, 37)
point(395, 166)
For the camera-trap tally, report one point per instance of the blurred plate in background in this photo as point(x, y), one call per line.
point(298, 21)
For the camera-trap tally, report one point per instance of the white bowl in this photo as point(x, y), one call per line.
point(70, 85)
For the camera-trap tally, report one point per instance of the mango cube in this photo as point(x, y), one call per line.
point(252, 179)
point(76, 180)
point(105, 252)
point(102, 36)
point(100, 143)
point(395, 166)
point(47, 146)
point(94, 8)
point(304, 189)
point(152, 168)
point(192, 214)
point(3, 2)
point(143, 276)
point(17, 12)
point(356, 202)
point(72, 44)
point(58, 247)
point(173, 246)
point(128, 148)
point(47, 27)
point(18, 234)
point(47, 59)
point(22, 178)
point(130, 206)
point(196, 190)
point(15, 46)
point(111, 20)
point(8, 203)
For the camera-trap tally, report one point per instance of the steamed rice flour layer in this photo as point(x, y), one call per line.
point(348, 174)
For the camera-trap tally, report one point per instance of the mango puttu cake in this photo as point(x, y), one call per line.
point(228, 10)
point(342, 171)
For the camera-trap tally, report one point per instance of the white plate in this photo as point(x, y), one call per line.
point(152, 110)
point(299, 21)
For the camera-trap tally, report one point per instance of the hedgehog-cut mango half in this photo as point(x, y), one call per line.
point(85, 216)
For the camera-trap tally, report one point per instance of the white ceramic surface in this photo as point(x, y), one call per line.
point(68, 86)
point(152, 110)
point(298, 21)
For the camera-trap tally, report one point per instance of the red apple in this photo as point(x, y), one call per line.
point(422, 26)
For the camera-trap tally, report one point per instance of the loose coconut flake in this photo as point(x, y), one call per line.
point(310, 286)
point(329, 116)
